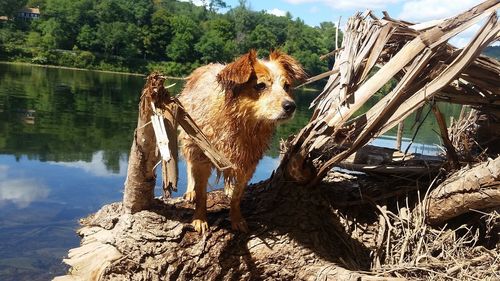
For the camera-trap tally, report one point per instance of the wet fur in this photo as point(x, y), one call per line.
point(238, 119)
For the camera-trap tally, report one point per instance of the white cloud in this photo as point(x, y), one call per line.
point(349, 4)
point(461, 39)
point(277, 12)
point(96, 166)
point(425, 10)
point(196, 2)
point(314, 10)
point(22, 192)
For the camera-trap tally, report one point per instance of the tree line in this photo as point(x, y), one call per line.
point(145, 35)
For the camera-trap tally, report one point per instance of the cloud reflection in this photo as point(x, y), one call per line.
point(21, 192)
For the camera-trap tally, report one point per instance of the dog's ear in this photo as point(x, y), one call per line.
point(293, 69)
point(237, 72)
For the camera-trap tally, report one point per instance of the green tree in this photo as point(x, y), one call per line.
point(185, 33)
point(53, 34)
point(304, 43)
point(87, 38)
point(118, 38)
point(216, 5)
point(10, 8)
point(159, 35)
point(262, 39)
point(34, 39)
point(214, 47)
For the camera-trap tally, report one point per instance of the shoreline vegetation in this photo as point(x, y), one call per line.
point(308, 88)
point(143, 36)
point(80, 69)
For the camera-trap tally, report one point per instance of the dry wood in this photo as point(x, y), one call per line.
point(450, 149)
point(141, 178)
point(373, 159)
point(170, 168)
point(296, 235)
point(470, 188)
point(399, 136)
point(418, 56)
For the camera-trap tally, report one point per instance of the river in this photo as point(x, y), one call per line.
point(65, 136)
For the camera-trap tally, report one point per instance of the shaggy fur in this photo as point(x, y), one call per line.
point(237, 106)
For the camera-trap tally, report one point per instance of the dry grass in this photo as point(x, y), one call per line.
point(411, 249)
point(402, 244)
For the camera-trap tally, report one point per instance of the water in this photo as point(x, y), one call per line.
point(65, 136)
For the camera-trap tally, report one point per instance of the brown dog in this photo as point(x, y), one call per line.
point(237, 106)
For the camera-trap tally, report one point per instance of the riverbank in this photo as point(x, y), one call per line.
point(304, 89)
point(83, 69)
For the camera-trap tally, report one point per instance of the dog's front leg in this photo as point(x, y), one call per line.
point(237, 221)
point(198, 174)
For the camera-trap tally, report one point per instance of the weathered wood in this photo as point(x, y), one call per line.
point(451, 153)
point(296, 235)
point(399, 136)
point(420, 58)
point(170, 168)
point(141, 177)
point(382, 160)
point(485, 36)
point(470, 188)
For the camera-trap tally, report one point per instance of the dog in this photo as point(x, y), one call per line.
point(237, 106)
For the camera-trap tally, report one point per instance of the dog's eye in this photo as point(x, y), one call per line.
point(260, 86)
point(286, 87)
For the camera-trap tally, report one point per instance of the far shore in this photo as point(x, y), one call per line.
point(83, 69)
point(304, 89)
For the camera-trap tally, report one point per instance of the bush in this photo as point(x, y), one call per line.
point(84, 59)
point(39, 60)
point(172, 68)
point(66, 58)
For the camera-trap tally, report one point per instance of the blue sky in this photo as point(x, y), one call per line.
point(315, 11)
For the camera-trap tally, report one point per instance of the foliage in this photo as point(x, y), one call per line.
point(9, 8)
point(140, 35)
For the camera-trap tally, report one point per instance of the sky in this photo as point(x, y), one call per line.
point(313, 12)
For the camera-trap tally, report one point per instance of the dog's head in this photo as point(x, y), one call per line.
point(263, 88)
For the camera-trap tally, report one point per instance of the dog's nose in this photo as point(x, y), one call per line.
point(289, 106)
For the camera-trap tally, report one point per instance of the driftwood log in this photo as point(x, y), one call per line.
point(468, 189)
point(296, 234)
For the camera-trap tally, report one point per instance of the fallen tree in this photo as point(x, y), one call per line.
point(309, 222)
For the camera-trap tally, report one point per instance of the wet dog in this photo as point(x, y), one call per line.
point(237, 106)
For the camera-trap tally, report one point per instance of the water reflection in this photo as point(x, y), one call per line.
point(20, 191)
point(98, 165)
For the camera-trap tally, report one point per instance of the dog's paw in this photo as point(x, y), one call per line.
point(239, 225)
point(201, 226)
point(190, 196)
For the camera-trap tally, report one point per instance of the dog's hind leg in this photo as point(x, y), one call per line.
point(198, 174)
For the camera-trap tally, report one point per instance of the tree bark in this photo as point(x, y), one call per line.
point(470, 188)
point(295, 234)
point(141, 177)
